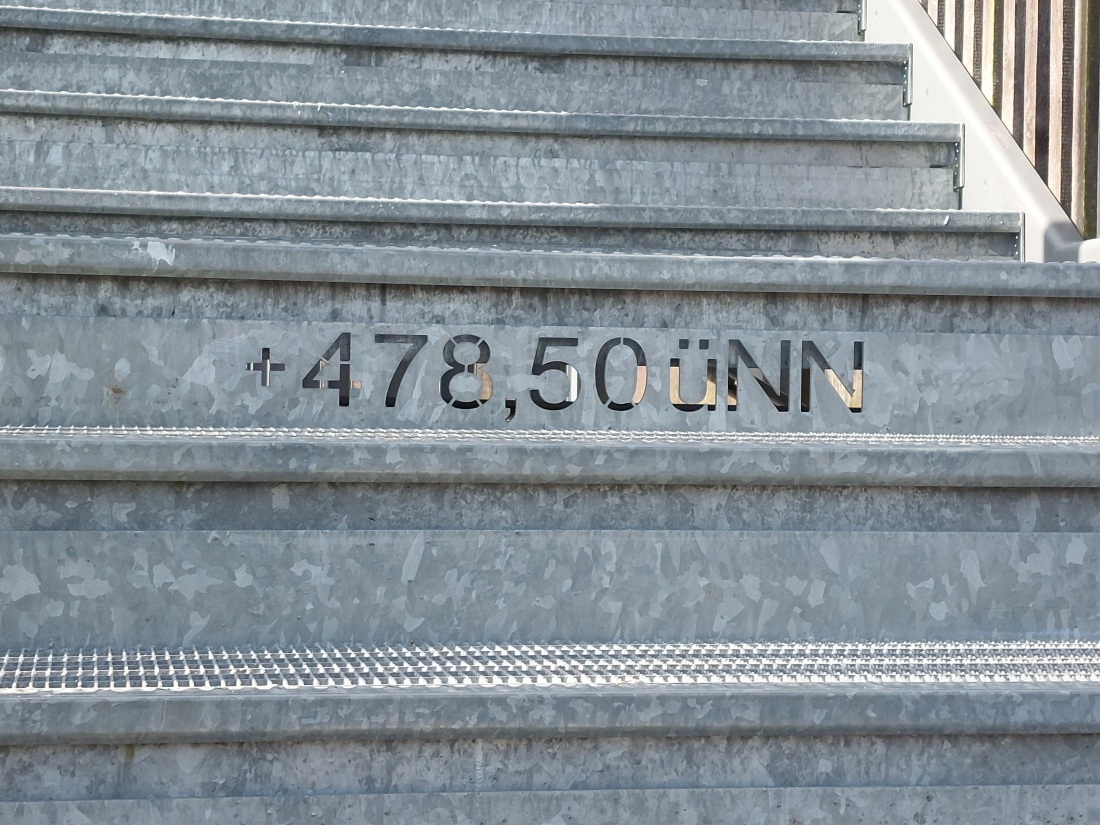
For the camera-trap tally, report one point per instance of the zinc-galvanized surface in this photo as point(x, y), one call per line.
point(758, 19)
point(481, 167)
point(750, 79)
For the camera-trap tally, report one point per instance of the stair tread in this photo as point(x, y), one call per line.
point(793, 86)
point(779, 20)
point(476, 166)
point(455, 39)
point(313, 207)
point(471, 265)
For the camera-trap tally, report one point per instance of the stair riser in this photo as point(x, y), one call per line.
point(454, 167)
point(391, 227)
point(395, 77)
point(997, 805)
point(99, 589)
point(961, 374)
point(119, 508)
point(468, 765)
point(757, 20)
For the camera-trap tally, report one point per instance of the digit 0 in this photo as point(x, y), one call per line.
point(641, 374)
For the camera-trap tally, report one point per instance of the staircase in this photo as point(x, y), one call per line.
point(530, 412)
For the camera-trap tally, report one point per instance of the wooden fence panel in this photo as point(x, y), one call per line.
point(1038, 64)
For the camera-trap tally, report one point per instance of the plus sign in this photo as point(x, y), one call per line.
point(265, 367)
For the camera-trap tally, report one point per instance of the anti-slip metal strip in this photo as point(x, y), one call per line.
point(579, 665)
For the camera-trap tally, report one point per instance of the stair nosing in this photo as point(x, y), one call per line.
point(127, 255)
point(389, 210)
point(424, 118)
point(132, 255)
point(413, 456)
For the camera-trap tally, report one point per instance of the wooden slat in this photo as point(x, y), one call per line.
point(997, 57)
point(1030, 81)
point(987, 54)
point(968, 31)
point(1091, 118)
point(1012, 82)
point(1061, 98)
point(963, 20)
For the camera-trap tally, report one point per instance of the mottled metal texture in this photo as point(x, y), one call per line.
point(1011, 376)
point(69, 589)
point(56, 153)
point(492, 266)
point(464, 765)
point(318, 605)
point(755, 19)
point(196, 374)
point(975, 804)
point(911, 234)
point(416, 67)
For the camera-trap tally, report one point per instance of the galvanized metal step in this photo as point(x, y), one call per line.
point(853, 167)
point(763, 19)
point(485, 71)
point(495, 266)
point(126, 587)
point(736, 364)
point(866, 233)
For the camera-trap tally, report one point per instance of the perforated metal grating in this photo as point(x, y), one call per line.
point(145, 669)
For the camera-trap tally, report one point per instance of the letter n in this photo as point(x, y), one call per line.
point(780, 398)
point(852, 398)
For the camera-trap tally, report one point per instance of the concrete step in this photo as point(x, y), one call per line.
point(442, 69)
point(749, 19)
point(842, 166)
point(114, 589)
point(417, 226)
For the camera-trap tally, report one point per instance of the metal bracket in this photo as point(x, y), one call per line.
point(907, 80)
point(960, 163)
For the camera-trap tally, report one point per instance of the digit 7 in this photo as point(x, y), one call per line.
point(416, 343)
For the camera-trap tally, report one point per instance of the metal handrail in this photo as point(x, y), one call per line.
point(1038, 64)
